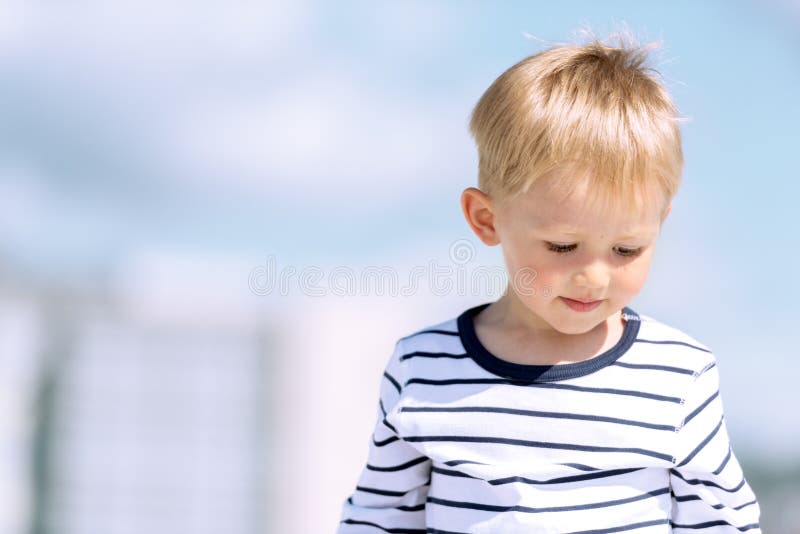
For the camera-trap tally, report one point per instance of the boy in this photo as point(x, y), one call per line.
point(558, 408)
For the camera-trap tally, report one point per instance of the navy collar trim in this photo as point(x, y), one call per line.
point(542, 373)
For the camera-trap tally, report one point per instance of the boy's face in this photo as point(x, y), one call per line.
point(559, 247)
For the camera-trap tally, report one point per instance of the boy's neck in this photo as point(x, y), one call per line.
point(512, 333)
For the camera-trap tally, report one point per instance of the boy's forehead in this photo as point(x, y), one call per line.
point(569, 208)
point(570, 211)
point(628, 225)
point(621, 232)
point(576, 217)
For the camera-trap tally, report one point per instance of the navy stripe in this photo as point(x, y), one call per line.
point(430, 331)
point(437, 531)
point(684, 498)
point(702, 444)
point(460, 462)
point(394, 382)
point(384, 442)
point(696, 481)
point(400, 467)
point(717, 523)
point(581, 467)
point(389, 426)
point(700, 408)
point(622, 528)
point(415, 508)
point(719, 469)
point(380, 404)
point(745, 505)
point(666, 342)
point(540, 444)
point(566, 479)
point(392, 530)
point(654, 367)
point(559, 480)
point(691, 497)
point(535, 413)
point(423, 354)
point(378, 491)
point(530, 510)
point(551, 385)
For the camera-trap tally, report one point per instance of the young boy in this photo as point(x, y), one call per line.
point(558, 408)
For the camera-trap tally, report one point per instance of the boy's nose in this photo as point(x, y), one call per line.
point(593, 276)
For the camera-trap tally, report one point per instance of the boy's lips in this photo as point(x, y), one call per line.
point(581, 305)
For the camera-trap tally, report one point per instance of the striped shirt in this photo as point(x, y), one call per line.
point(633, 439)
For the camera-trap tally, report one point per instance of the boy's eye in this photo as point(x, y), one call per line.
point(622, 251)
point(562, 249)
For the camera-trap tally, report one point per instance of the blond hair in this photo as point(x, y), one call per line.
point(594, 109)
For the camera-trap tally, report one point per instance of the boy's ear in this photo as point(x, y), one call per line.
point(479, 210)
point(666, 212)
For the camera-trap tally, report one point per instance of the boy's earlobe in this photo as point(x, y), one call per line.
point(479, 213)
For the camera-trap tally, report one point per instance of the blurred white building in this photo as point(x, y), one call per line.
point(21, 334)
point(143, 407)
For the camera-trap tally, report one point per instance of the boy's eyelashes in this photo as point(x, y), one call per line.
point(563, 249)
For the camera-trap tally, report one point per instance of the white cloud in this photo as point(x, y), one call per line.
point(415, 28)
point(185, 85)
point(322, 132)
point(156, 33)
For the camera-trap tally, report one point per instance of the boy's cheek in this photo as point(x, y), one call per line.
point(533, 282)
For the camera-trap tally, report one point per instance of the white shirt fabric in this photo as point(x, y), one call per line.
point(631, 440)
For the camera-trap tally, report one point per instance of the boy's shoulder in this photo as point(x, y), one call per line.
point(661, 329)
point(433, 333)
point(435, 339)
point(657, 337)
point(446, 331)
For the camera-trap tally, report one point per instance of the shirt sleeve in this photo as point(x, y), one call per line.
point(391, 491)
point(709, 490)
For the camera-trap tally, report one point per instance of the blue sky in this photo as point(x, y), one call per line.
point(336, 133)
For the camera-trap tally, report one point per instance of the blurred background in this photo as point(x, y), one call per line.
point(216, 219)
